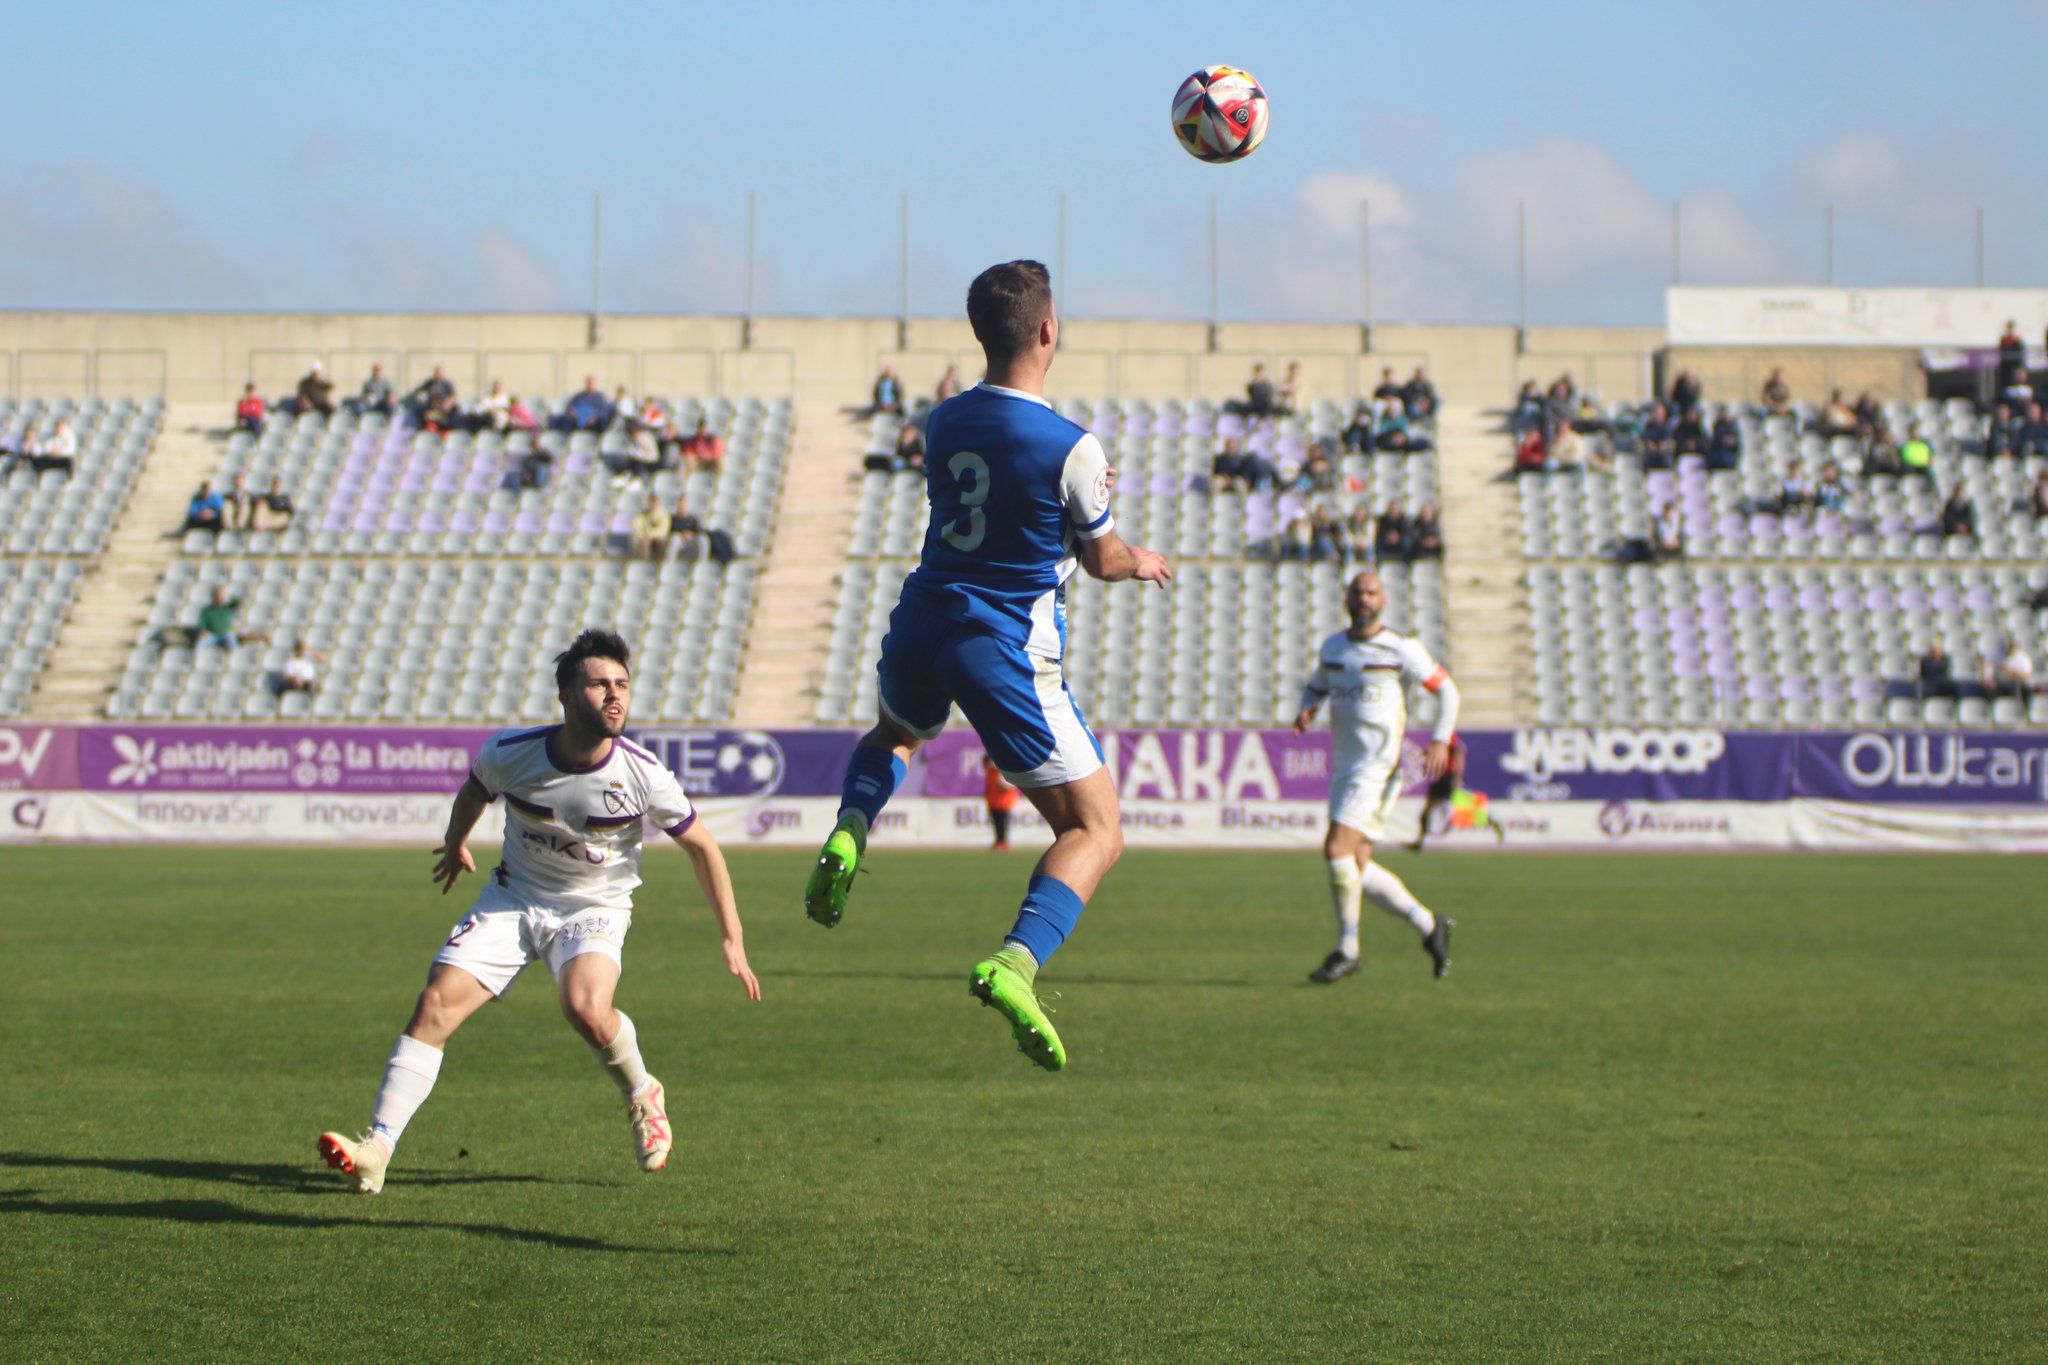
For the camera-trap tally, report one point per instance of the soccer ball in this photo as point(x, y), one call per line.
point(748, 763)
point(1219, 114)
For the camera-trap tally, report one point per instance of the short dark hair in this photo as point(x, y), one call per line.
point(1006, 303)
point(591, 644)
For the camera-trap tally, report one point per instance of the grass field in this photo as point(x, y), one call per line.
point(1663, 1107)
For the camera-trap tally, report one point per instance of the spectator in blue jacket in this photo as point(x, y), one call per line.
point(589, 410)
point(206, 511)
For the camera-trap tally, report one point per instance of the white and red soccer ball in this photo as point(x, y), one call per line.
point(1219, 114)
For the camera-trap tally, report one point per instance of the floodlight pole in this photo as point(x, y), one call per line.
point(1831, 245)
point(1674, 241)
point(1059, 280)
point(903, 311)
point(1365, 275)
point(1521, 276)
point(596, 266)
point(1980, 246)
point(1215, 318)
point(747, 322)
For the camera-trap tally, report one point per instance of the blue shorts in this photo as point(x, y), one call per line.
point(1017, 702)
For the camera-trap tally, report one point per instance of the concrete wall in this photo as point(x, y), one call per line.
point(1738, 372)
point(206, 357)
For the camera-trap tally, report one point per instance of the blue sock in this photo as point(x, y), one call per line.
point(1050, 911)
point(871, 779)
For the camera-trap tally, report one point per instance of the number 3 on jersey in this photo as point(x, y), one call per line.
point(965, 533)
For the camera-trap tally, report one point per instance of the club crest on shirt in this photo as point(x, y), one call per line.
point(615, 799)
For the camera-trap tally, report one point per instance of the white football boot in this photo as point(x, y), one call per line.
point(648, 1112)
point(365, 1158)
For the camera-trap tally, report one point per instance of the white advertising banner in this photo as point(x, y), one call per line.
point(1852, 825)
point(1707, 316)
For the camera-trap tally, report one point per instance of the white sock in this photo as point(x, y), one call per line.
point(408, 1080)
point(621, 1057)
point(1389, 893)
point(1344, 890)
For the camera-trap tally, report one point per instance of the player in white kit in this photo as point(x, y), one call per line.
point(1364, 672)
point(577, 795)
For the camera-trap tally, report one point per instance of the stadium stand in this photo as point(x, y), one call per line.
point(55, 513)
point(1194, 655)
point(1774, 611)
point(34, 595)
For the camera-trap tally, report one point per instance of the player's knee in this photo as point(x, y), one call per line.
point(1108, 839)
point(435, 1012)
point(589, 1016)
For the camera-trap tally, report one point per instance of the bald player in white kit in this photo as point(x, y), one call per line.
point(1364, 672)
point(577, 796)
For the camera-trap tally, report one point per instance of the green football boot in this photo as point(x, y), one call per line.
point(832, 878)
point(1000, 985)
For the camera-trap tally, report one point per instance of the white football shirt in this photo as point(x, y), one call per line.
point(572, 837)
point(1366, 683)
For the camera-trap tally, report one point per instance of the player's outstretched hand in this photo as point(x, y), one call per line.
point(1152, 566)
point(736, 963)
point(450, 862)
point(1302, 720)
point(1436, 759)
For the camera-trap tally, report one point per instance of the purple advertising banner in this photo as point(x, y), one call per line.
point(1626, 763)
point(366, 759)
point(1170, 765)
point(1926, 767)
point(38, 758)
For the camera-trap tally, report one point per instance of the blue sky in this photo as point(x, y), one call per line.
point(382, 156)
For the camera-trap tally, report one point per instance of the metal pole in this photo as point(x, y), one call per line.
point(1365, 265)
point(1521, 273)
point(1059, 279)
point(1214, 312)
point(747, 324)
point(596, 265)
point(903, 314)
point(1980, 246)
point(1831, 246)
point(1674, 241)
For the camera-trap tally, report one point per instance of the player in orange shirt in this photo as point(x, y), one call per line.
point(1002, 799)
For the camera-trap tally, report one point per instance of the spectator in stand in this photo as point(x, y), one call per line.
point(588, 409)
point(1297, 538)
point(2037, 501)
point(1777, 394)
point(652, 526)
point(1685, 392)
point(694, 539)
point(277, 503)
point(1587, 418)
point(622, 410)
point(706, 448)
point(1659, 439)
point(1358, 433)
point(1393, 434)
point(948, 386)
point(315, 392)
point(1258, 396)
point(301, 672)
point(2002, 433)
point(1532, 455)
point(1915, 455)
point(1795, 494)
point(2011, 674)
point(375, 395)
point(432, 404)
point(1724, 442)
point(909, 448)
point(1937, 673)
point(537, 464)
point(1688, 433)
point(520, 416)
point(652, 417)
point(1831, 494)
point(1836, 417)
point(1425, 534)
point(58, 451)
point(1418, 396)
point(206, 511)
point(1358, 537)
point(2012, 358)
point(1326, 533)
point(1226, 468)
point(2033, 433)
point(1869, 412)
point(217, 623)
point(1958, 516)
point(1527, 414)
point(1317, 474)
point(251, 413)
point(888, 393)
point(1668, 534)
point(1568, 453)
point(1390, 542)
point(1291, 396)
point(1389, 387)
point(238, 505)
point(493, 412)
point(641, 458)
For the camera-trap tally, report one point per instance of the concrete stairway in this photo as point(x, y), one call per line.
point(797, 592)
point(116, 594)
point(1485, 601)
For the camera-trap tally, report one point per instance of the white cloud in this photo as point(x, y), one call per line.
point(82, 234)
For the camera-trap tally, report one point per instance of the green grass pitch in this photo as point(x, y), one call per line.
point(1737, 1108)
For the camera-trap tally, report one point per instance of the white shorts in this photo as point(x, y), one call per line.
point(503, 933)
point(1363, 797)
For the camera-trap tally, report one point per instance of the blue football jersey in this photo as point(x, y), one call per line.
point(1013, 485)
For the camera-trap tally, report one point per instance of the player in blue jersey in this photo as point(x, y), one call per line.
point(1019, 495)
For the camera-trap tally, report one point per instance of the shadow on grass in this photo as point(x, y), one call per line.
point(205, 1211)
point(835, 974)
point(260, 1175)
